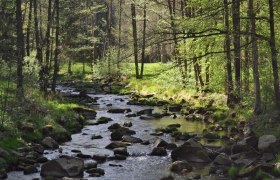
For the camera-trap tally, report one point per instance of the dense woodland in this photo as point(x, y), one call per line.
point(223, 48)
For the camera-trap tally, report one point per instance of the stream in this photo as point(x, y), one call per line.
point(139, 165)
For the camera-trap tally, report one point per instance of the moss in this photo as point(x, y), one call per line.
point(232, 172)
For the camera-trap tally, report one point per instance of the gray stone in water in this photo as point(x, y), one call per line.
point(160, 143)
point(50, 143)
point(180, 167)
point(63, 167)
point(119, 111)
point(30, 170)
point(159, 151)
point(114, 145)
point(99, 157)
point(131, 139)
point(145, 112)
point(121, 151)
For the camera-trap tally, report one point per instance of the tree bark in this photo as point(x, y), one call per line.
point(20, 49)
point(255, 58)
point(228, 56)
point(134, 29)
point(274, 55)
point(144, 41)
point(120, 33)
point(56, 53)
point(29, 28)
point(237, 49)
point(247, 57)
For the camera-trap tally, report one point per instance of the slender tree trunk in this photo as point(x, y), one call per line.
point(120, 33)
point(20, 49)
point(195, 74)
point(247, 56)
point(173, 27)
point(56, 53)
point(255, 58)
point(144, 42)
point(274, 56)
point(39, 55)
point(109, 33)
point(237, 49)
point(134, 29)
point(29, 28)
point(228, 56)
point(48, 33)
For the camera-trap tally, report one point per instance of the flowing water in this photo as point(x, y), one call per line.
point(139, 165)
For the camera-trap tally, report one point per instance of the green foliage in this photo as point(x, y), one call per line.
point(11, 143)
point(233, 172)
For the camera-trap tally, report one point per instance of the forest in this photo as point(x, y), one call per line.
point(145, 90)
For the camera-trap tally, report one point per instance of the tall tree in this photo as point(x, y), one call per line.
point(134, 29)
point(144, 40)
point(228, 55)
point(274, 55)
point(255, 58)
point(29, 28)
point(236, 43)
point(56, 53)
point(20, 49)
point(120, 33)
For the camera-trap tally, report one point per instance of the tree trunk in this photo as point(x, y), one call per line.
point(247, 56)
point(255, 58)
point(134, 29)
point(120, 33)
point(29, 28)
point(144, 42)
point(237, 49)
point(20, 49)
point(39, 55)
point(48, 33)
point(228, 56)
point(56, 53)
point(109, 33)
point(274, 56)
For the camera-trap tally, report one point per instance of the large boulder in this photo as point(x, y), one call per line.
point(63, 167)
point(159, 151)
point(191, 151)
point(160, 143)
point(267, 143)
point(50, 143)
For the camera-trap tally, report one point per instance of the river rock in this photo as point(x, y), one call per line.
point(267, 143)
point(145, 112)
point(167, 178)
point(96, 172)
point(191, 152)
point(50, 143)
point(120, 157)
point(114, 145)
point(160, 143)
point(144, 117)
point(131, 139)
point(96, 137)
point(239, 148)
point(42, 160)
point(47, 130)
point(63, 167)
point(127, 124)
point(3, 174)
point(131, 115)
point(251, 141)
point(114, 126)
point(90, 165)
point(159, 151)
point(223, 159)
point(30, 170)
point(104, 120)
point(99, 158)
point(117, 134)
point(87, 113)
point(175, 108)
point(122, 151)
point(180, 167)
point(83, 156)
point(119, 111)
point(38, 148)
